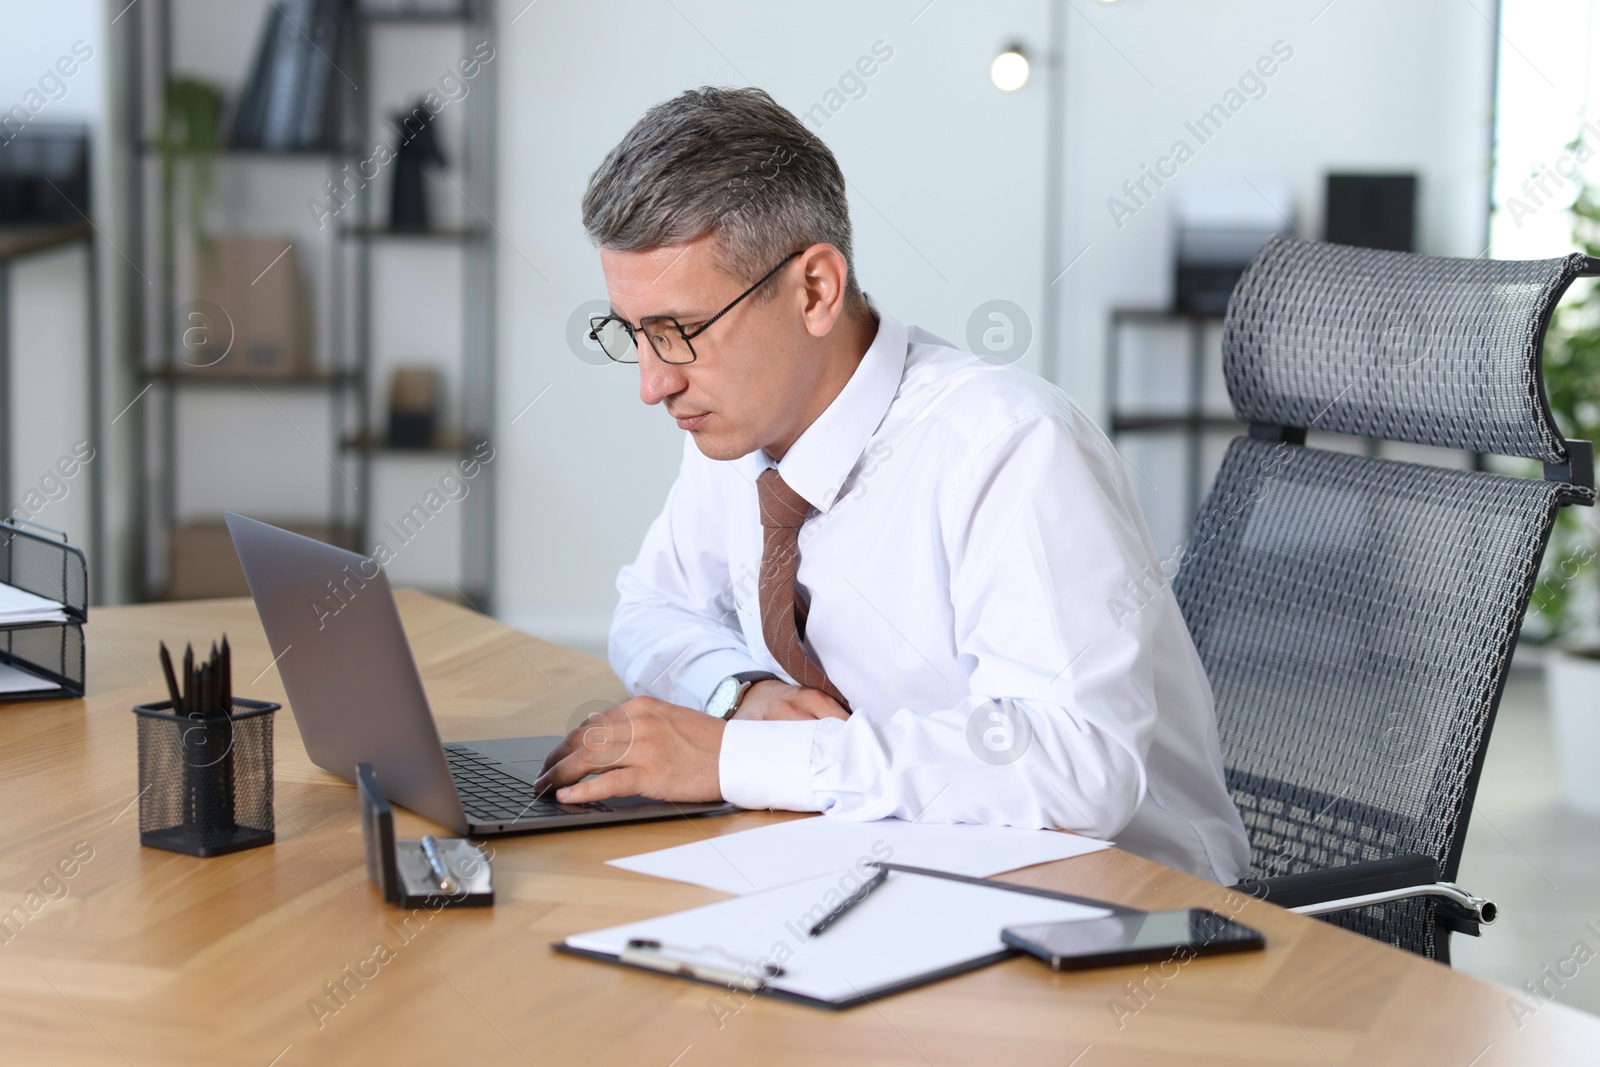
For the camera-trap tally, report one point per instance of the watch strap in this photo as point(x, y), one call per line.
point(746, 679)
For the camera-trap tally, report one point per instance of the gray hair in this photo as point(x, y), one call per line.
point(731, 162)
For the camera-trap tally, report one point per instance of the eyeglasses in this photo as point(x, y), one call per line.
point(669, 338)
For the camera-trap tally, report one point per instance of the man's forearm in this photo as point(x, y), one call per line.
point(940, 767)
point(672, 653)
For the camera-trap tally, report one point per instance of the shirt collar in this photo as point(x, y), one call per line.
point(820, 460)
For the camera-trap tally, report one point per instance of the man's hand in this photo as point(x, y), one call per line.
point(772, 699)
point(642, 747)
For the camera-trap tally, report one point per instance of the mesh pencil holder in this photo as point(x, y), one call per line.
point(205, 783)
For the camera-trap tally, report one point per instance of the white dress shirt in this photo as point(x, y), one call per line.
point(983, 591)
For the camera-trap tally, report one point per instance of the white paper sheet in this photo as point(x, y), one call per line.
point(911, 925)
point(16, 680)
point(19, 605)
point(788, 852)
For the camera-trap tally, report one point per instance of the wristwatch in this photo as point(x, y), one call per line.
point(729, 693)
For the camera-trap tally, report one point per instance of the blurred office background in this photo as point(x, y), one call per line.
point(1067, 185)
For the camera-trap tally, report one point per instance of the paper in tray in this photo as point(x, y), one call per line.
point(44, 601)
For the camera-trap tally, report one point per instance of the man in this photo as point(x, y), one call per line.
point(891, 579)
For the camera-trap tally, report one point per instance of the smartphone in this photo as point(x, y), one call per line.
point(1153, 935)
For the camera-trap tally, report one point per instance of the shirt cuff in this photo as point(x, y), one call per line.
point(692, 685)
point(768, 765)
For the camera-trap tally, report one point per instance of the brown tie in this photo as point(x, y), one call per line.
point(782, 614)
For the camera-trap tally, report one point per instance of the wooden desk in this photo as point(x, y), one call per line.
point(155, 958)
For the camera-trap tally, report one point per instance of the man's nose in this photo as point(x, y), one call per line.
point(657, 379)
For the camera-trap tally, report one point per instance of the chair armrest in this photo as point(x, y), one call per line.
point(1376, 882)
point(1333, 883)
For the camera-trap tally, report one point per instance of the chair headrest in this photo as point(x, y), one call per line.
point(1397, 346)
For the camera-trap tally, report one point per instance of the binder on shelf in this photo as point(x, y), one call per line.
point(288, 104)
point(44, 602)
point(288, 75)
point(316, 122)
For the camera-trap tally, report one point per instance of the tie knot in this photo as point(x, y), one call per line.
point(781, 506)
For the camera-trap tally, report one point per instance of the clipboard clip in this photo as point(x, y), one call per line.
point(748, 976)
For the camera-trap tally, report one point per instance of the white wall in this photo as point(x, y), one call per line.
point(947, 196)
point(1370, 85)
point(35, 35)
point(48, 391)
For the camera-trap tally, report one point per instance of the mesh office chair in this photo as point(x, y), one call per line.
point(1356, 615)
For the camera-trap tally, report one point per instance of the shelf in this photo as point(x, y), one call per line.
point(282, 155)
point(454, 233)
point(1186, 423)
point(303, 381)
point(1192, 424)
point(423, 18)
point(446, 444)
point(1119, 315)
point(23, 240)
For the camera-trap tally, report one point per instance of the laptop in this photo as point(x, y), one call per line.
point(342, 653)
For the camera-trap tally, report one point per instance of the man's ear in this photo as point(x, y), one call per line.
point(822, 288)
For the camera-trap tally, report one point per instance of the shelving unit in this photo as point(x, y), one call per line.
point(1193, 423)
point(341, 259)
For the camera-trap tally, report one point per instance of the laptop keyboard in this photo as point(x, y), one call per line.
point(488, 794)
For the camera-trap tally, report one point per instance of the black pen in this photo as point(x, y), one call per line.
point(850, 901)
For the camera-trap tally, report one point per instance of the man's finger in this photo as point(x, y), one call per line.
point(569, 770)
point(591, 747)
point(594, 728)
point(820, 705)
point(564, 748)
point(606, 742)
point(576, 737)
point(787, 711)
point(617, 783)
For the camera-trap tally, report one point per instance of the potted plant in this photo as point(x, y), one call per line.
point(1565, 609)
point(189, 139)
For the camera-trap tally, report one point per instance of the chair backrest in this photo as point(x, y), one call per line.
point(1356, 615)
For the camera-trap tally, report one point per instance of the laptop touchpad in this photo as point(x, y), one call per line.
point(523, 754)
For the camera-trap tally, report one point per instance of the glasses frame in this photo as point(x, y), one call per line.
point(597, 323)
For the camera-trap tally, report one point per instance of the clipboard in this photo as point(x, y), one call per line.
point(920, 927)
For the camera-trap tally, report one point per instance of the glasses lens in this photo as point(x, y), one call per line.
point(668, 343)
point(614, 338)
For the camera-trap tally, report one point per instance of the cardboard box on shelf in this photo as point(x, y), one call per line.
point(413, 407)
point(204, 565)
point(249, 318)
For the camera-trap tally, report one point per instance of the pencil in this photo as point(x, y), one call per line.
point(172, 681)
point(188, 678)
